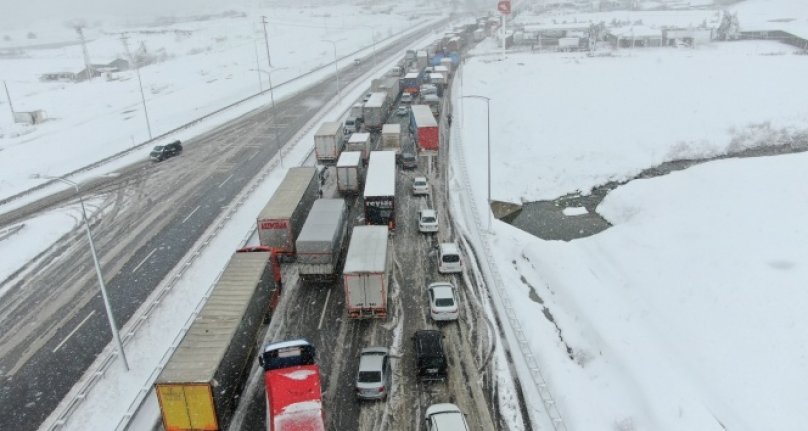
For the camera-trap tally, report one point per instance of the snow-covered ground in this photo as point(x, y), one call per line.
point(687, 313)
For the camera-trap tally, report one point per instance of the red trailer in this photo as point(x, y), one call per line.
point(424, 127)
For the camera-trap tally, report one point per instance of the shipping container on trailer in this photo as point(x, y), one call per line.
point(328, 141)
point(359, 142)
point(380, 189)
point(349, 172)
point(283, 216)
point(319, 245)
point(367, 272)
point(391, 138)
point(376, 110)
point(424, 127)
point(200, 385)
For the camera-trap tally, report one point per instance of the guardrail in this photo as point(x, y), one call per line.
point(494, 280)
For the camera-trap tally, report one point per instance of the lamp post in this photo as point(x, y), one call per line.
point(274, 115)
point(112, 326)
point(335, 62)
point(488, 127)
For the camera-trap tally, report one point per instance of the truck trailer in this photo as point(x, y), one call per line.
point(380, 189)
point(200, 385)
point(349, 172)
point(424, 127)
point(367, 272)
point(328, 141)
point(410, 82)
point(359, 142)
point(319, 245)
point(376, 110)
point(391, 138)
point(280, 221)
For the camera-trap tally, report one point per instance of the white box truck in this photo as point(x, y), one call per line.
point(367, 272)
point(328, 141)
point(319, 245)
point(391, 138)
point(349, 172)
point(359, 142)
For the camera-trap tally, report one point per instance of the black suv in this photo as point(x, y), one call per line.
point(409, 160)
point(162, 152)
point(429, 357)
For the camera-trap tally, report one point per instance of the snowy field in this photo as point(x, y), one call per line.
point(687, 314)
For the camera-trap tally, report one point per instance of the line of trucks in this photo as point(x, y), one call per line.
point(199, 387)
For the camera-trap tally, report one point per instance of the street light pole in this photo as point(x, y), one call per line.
point(274, 115)
point(113, 327)
point(336, 68)
point(488, 157)
point(266, 40)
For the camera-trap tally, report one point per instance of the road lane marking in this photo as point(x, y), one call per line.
point(73, 331)
point(225, 181)
point(325, 307)
point(144, 260)
point(190, 214)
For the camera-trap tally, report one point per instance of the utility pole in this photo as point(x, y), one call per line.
point(266, 40)
point(10, 106)
point(87, 65)
point(125, 40)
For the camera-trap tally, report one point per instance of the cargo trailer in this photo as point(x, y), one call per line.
point(424, 127)
point(328, 141)
point(380, 189)
point(391, 138)
point(319, 245)
point(349, 172)
point(367, 272)
point(376, 110)
point(283, 216)
point(359, 142)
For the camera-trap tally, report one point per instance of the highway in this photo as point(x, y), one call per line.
point(52, 318)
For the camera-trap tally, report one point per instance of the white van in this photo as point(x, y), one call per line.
point(449, 258)
point(445, 417)
point(406, 98)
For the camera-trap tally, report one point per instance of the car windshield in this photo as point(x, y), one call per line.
point(420, 183)
point(158, 148)
point(428, 219)
point(369, 377)
point(444, 302)
point(451, 258)
point(432, 362)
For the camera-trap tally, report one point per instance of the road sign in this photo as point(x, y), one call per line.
point(504, 7)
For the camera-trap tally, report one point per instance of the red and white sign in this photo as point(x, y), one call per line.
point(504, 7)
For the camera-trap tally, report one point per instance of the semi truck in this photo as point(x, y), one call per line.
point(391, 138)
point(376, 110)
point(424, 127)
point(200, 385)
point(359, 142)
point(349, 172)
point(319, 245)
point(410, 82)
point(328, 141)
point(380, 189)
point(280, 221)
point(367, 272)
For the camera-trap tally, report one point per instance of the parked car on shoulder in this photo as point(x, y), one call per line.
point(420, 186)
point(373, 377)
point(427, 221)
point(162, 152)
point(442, 301)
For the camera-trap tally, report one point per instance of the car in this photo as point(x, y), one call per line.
point(356, 61)
point(449, 260)
point(402, 110)
point(445, 416)
point(406, 98)
point(420, 186)
point(409, 160)
point(367, 97)
point(442, 301)
point(351, 126)
point(373, 376)
point(427, 221)
point(162, 152)
point(430, 360)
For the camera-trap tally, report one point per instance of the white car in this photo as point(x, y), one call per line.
point(427, 220)
point(402, 110)
point(420, 186)
point(442, 301)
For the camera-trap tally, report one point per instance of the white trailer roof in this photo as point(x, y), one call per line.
point(411, 75)
point(349, 158)
point(376, 100)
point(357, 138)
point(329, 128)
point(324, 220)
point(381, 176)
point(203, 347)
point(393, 129)
point(289, 193)
point(440, 69)
point(423, 116)
point(368, 250)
